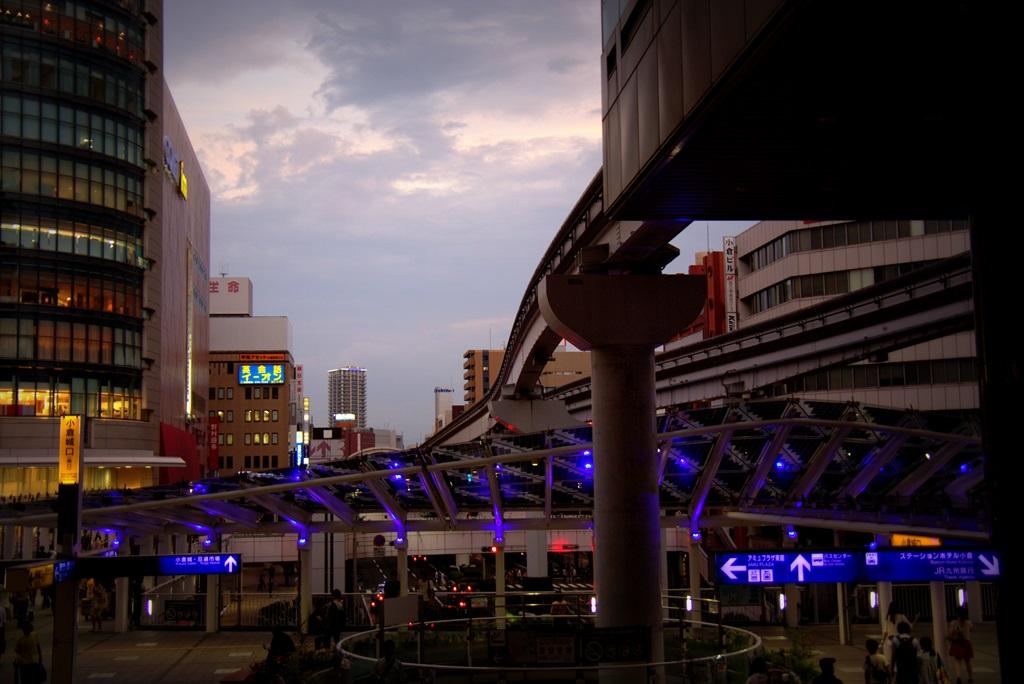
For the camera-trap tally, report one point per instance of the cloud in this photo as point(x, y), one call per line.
point(389, 175)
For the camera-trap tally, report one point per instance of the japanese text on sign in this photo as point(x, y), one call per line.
point(261, 374)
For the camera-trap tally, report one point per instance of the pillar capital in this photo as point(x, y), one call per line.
point(593, 310)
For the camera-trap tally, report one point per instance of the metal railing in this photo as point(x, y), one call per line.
point(494, 649)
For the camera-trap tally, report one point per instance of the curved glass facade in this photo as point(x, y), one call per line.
point(86, 23)
point(72, 167)
point(33, 118)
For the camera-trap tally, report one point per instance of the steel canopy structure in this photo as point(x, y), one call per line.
point(808, 463)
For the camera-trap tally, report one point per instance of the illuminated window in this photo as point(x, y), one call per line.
point(248, 440)
point(266, 415)
point(248, 415)
point(230, 438)
point(273, 439)
point(266, 438)
point(274, 415)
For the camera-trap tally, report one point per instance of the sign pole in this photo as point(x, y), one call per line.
point(69, 535)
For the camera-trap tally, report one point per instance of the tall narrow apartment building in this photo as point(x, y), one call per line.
point(346, 393)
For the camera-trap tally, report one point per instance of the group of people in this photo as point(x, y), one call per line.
point(902, 659)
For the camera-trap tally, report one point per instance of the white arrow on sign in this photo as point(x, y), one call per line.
point(991, 566)
point(730, 567)
point(230, 563)
point(801, 564)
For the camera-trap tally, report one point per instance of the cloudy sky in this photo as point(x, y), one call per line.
point(389, 173)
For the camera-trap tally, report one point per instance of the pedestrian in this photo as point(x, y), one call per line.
point(961, 649)
point(893, 617)
point(28, 657)
point(271, 571)
point(929, 664)
point(903, 655)
point(336, 616)
point(876, 669)
point(3, 630)
point(388, 669)
point(758, 671)
point(99, 606)
point(828, 672)
point(560, 606)
point(281, 646)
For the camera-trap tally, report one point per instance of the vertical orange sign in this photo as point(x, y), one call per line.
point(70, 449)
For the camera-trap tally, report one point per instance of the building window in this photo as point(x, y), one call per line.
point(213, 393)
point(256, 438)
point(248, 415)
point(248, 438)
point(231, 393)
point(231, 367)
point(266, 461)
point(231, 416)
point(266, 415)
point(230, 437)
point(257, 416)
point(248, 461)
point(220, 393)
point(273, 438)
point(248, 392)
point(220, 439)
point(274, 415)
point(220, 462)
point(212, 414)
point(266, 438)
point(231, 461)
point(257, 392)
point(273, 460)
point(273, 391)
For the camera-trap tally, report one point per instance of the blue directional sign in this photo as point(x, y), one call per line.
point(63, 570)
point(912, 564)
point(784, 567)
point(200, 564)
point(930, 565)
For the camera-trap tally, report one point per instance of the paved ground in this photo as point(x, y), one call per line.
point(166, 657)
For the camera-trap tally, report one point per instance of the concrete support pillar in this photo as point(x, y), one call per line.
point(975, 609)
point(149, 548)
point(884, 599)
point(937, 593)
point(842, 600)
point(10, 542)
point(305, 587)
point(792, 605)
point(663, 574)
point(336, 565)
point(27, 538)
point(121, 597)
point(499, 583)
point(626, 507)
point(537, 553)
point(213, 595)
point(166, 544)
point(693, 570)
point(403, 569)
point(620, 319)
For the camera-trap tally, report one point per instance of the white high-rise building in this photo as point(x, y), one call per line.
point(346, 393)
